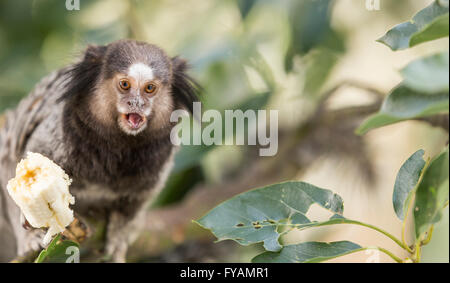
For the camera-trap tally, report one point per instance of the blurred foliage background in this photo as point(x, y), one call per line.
point(288, 55)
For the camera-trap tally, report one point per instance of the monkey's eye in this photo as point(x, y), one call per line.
point(150, 88)
point(124, 84)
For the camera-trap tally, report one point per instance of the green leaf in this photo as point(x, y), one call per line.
point(44, 253)
point(311, 29)
point(407, 179)
point(308, 252)
point(398, 37)
point(319, 63)
point(428, 24)
point(56, 251)
point(245, 6)
point(403, 104)
point(190, 156)
point(432, 194)
point(310, 24)
point(428, 75)
point(436, 29)
point(256, 216)
point(178, 185)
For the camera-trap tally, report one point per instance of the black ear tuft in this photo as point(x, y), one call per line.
point(83, 75)
point(184, 88)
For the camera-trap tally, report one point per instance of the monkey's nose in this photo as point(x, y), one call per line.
point(135, 102)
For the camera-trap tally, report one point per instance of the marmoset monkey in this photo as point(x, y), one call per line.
point(105, 121)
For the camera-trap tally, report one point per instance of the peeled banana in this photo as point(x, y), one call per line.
point(41, 190)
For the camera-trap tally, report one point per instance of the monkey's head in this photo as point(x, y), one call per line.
point(129, 86)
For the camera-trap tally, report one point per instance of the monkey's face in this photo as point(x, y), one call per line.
point(141, 98)
point(135, 89)
point(129, 87)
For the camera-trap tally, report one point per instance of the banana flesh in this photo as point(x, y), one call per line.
point(41, 190)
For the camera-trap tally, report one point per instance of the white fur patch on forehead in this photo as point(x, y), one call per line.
point(140, 72)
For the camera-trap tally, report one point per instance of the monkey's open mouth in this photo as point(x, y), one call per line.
point(135, 121)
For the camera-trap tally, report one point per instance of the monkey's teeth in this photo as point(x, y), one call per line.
point(41, 190)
